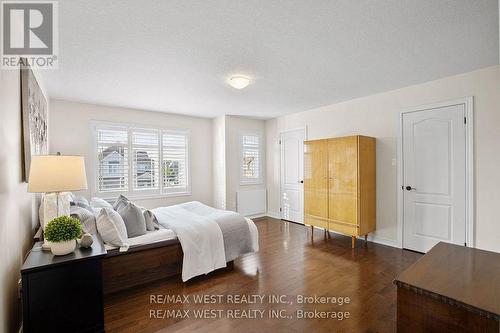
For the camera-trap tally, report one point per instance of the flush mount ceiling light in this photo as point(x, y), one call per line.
point(239, 81)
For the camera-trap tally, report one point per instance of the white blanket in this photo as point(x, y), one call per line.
point(200, 238)
point(202, 230)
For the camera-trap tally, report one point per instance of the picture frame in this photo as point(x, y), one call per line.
point(34, 118)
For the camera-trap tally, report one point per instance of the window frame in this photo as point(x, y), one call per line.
point(130, 192)
point(245, 180)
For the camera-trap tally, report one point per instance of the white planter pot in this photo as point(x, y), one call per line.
point(62, 248)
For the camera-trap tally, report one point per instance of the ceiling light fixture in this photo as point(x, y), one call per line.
point(239, 81)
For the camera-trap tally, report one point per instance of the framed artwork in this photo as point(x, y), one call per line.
point(34, 119)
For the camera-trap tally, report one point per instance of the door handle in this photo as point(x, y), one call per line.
point(409, 188)
point(301, 181)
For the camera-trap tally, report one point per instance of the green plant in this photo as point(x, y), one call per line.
point(63, 228)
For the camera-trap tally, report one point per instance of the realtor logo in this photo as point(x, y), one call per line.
point(30, 31)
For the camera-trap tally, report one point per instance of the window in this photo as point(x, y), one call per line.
point(141, 161)
point(250, 159)
point(112, 159)
point(146, 158)
point(113, 167)
point(174, 161)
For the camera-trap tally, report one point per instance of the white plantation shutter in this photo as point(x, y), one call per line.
point(145, 159)
point(175, 153)
point(112, 159)
point(250, 158)
point(140, 161)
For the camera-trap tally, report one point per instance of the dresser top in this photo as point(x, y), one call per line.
point(39, 259)
point(457, 275)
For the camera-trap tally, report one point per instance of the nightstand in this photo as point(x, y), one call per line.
point(63, 293)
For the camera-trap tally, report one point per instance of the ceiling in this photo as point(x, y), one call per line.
point(176, 56)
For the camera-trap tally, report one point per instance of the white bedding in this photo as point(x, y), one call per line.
point(148, 238)
point(200, 236)
point(254, 233)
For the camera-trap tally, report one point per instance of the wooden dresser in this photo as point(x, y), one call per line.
point(340, 185)
point(451, 289)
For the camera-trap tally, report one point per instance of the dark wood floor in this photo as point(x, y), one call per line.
point(287, 264)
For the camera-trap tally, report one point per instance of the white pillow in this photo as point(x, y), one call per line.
point(112, 229)
point(100, 203)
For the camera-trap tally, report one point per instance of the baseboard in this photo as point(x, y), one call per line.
point(256, 216)
point(374, 239)
point(274, 215)
point(371, 238)
point(382, 241)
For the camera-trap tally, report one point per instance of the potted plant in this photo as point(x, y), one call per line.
point(62, 233)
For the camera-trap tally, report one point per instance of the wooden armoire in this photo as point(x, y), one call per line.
point(340, 185)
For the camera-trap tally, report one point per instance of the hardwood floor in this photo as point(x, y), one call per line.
point(287, 264)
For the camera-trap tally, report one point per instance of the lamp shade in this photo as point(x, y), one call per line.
point(57, 173)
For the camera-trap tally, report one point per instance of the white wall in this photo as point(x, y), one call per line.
point(219, 162)
point(18, 213)
point(378, 115)
point(70, 132)
point(234, 127)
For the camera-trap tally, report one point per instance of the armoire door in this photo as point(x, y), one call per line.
point(342, 156)
point(316, 178)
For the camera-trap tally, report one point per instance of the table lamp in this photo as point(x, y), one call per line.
point(55, 174)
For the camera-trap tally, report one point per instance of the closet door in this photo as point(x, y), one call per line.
point(316, 180)
point(343, 177)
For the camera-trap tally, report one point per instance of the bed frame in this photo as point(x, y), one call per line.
point(140, 265)
point(143, 264)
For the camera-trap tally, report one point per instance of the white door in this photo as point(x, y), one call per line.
point(434, 177)
point(292, 175)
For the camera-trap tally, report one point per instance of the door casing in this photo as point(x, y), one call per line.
point(468, 103)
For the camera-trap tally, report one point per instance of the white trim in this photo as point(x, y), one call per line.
point(144, 197)
point(148, 193)
point(256, 216)
point(383, 241)
point(468, 103)
point(274, 215)
point(469, 169)
point(371, 237)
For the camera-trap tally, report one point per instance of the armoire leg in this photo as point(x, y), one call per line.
point(353, 241)
point(312, 234)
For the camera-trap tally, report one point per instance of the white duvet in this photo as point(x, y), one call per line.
point(200, 236)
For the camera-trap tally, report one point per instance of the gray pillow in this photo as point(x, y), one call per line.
point(99, 203)
point(71, 196)
point(82, 202)
point(112, 228)
point(86, 218)
point(151, 223)
point(133, 218)
point(120, 202)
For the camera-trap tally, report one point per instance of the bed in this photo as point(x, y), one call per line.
point(194, 239)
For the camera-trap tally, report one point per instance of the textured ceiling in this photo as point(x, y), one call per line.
point(175, 56)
